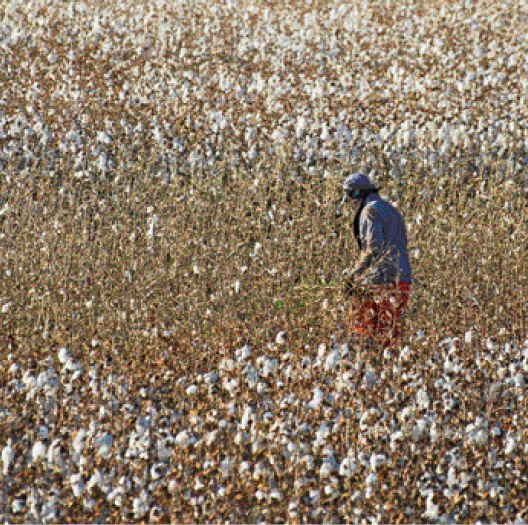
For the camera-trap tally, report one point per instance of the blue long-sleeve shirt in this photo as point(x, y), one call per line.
point(382, 238)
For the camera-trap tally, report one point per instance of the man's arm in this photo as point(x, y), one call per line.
point(372, 239)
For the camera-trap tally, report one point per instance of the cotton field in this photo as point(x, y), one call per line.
point(175, 343)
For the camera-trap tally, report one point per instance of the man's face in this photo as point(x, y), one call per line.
point(349, 199)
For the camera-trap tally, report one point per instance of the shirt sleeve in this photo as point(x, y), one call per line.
point(372, 240)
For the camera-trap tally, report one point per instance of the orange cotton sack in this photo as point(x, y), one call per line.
point(378, 313)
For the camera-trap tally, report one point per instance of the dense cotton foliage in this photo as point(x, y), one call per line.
point(172, 328)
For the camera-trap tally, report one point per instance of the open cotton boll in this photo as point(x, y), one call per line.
point(77, 484)
point(248, 411)
point(269, 367)
point(376, 460)
point(327, 467)
point(419, 429)
point(332, 360)
point(348, 467)
point(371, 479)
point(8, 455)
point(104, 445)
point(451, 477)
point(321, 434)
point(63, 355)
point(97, 479)
point(317, 399)
point(280, 338)
point(38, 451)
point(184, 439)
point(432, 509)
point(243, 353)
point(140, 505)
point(191, 390)
point(511, 444)
point(18, 505)
point(422, 399)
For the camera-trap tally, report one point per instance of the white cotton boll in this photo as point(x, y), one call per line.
point(280, 339)
point(18, 505)
point(321, 434)
point(394, 438)
point(405, 353)
point(326, 468)
point(140, 506)
point(8, 455)
point(248, 411)
point(104, 138)
point(96, 479)
point(79, 443)
point(198, 485)
point(371, 479)
point(244, 467)
point(480, 436)
point(49, 511)
point(419, 429)
point(434, 433)
point(301, 126)
point(191, 390)
point(332, 360)
point(259, 471)
point(511, 445)
point(225, 466)
point(104, 445)
point(451, 477)
point(6, 307)
point(210, 378)
point(151, 223)
point(43, 432)
point(448, 365)
point(315, 497)
point(422, 399)
point(278, 136)
point(348, 467)
point(276, 495)
point(63, 355)
point(519, 380)
point(308, 461)
point(468, 337)
point(491, 345)
point(77, 484)
point(252, 377)
point(317, 399)
point(38, 452)
point(243, 353)
point(89, 504)
point(431, 510)
point(270, 366)
point(376, 460)
point(325, 133)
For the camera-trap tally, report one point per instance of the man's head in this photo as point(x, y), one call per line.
point(355, 183)
point(355, 187)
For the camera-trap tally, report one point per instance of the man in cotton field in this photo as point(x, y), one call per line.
point(380, 283)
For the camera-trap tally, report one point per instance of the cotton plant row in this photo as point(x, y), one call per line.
point(90, 85)
point(183, 446)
